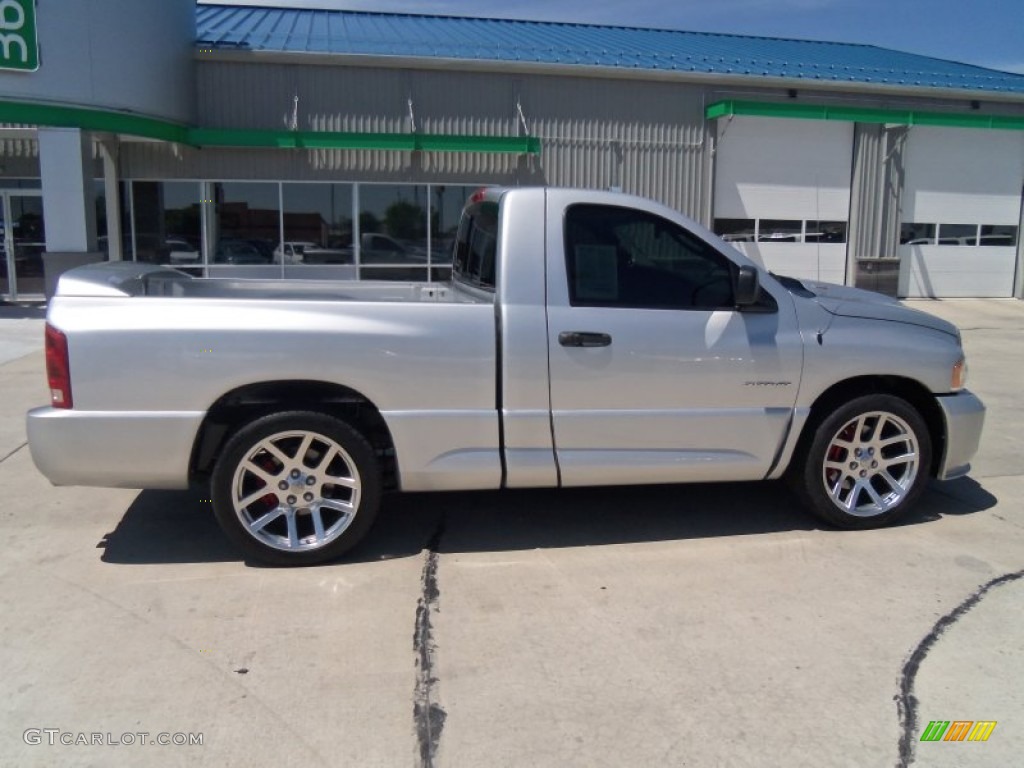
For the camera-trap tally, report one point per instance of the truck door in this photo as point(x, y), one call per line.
point(655, 376)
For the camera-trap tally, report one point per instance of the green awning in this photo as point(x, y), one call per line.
point(801, 111)
point(151, 128)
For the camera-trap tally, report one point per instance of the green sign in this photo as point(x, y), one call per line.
point(19, 45)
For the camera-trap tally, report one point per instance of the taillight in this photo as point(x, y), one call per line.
point(58, 371)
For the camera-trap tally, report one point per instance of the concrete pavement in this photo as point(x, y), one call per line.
point(684, 625)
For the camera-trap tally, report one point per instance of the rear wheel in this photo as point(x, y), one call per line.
point(296, 488)
point(867, 463)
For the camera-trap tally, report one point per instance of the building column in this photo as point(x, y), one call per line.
point(876, 193)
point(112, 194)
point(69, 198)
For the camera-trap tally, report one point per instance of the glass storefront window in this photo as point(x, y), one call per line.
point(246, 225)
point(318, 229)
point(393, 221)
point(294, 229)
point(167, 223)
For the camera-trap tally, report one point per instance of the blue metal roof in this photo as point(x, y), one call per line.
point(478, 39)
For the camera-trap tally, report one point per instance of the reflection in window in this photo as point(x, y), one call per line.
point(998, 234)
point(736, 230)
point(407, 232)
point(446, 202)
point(318, 224)
point(825, 232)
point(167, 223)
point(477, 246)
point(621, 257)
point(913, 233)
point(958, 234)
point(246, 226)
point(779, 231)
point(393, 231)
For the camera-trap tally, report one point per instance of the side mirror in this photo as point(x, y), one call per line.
point(747, 287)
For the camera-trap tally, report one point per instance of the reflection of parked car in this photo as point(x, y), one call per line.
point(181, 251)
point(292, 251)
point(265, 249)
point(377, 248)
point(235, 251)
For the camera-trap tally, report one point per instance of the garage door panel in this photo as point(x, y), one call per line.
point(784, 169)
point(963, 176)
point(823, 262)
point(935, 271)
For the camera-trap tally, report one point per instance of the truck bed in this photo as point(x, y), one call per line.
point(133, 279)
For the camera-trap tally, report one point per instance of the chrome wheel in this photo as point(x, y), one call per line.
point(296, 491)
point(871, 464)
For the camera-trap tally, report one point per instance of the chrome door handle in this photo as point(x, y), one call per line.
point(584, 339)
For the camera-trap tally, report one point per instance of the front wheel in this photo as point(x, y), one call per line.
point(296, 488)
point(866, 464)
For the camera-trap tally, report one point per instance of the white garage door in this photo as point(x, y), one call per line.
point(782, 193)
point(960, 212)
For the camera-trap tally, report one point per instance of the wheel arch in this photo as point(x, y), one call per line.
point(910, 390)
point(234, 409)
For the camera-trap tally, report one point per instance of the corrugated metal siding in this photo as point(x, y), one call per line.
point(366, 100)
point(396, 34)
point(10, 148)
point(878, 171)
point(18, 148)
point(866, 191)
point(645, 138)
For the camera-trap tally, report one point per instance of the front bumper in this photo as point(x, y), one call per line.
point(113, 450)
point(964, 415)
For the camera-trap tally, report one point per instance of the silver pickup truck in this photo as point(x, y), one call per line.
point(587, 338)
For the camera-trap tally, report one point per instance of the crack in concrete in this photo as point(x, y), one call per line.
point(5, 458)
point(906, 702)
point(428, 715)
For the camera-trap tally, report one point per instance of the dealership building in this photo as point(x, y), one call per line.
point(273, 142)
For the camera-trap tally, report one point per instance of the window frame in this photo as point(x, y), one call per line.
point(462, 257)
point(703, 245)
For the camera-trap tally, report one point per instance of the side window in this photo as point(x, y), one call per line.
point(476, 246)
point(620, 257)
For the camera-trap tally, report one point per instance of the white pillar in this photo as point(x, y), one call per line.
point(69, 199)
point(112, 192)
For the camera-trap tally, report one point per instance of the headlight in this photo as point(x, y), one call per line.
point(959, 378)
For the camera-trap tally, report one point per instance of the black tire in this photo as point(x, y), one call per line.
point(303, 518)
point(881, 483)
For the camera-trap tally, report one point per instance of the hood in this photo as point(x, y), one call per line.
point(855, 302)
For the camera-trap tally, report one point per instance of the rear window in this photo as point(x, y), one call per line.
point(476, 246)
